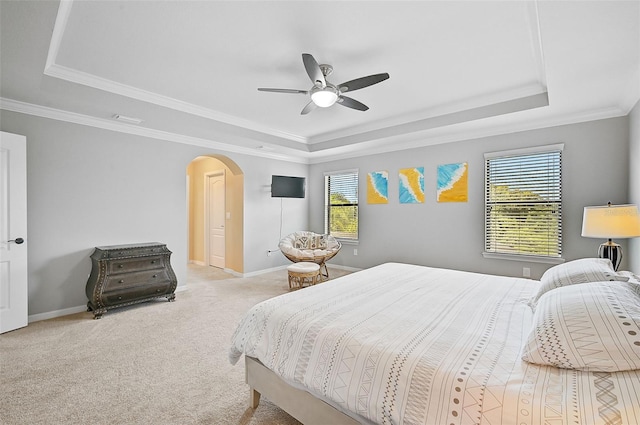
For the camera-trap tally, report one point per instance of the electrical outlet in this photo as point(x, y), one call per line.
point(355, 251)
point(526, 272)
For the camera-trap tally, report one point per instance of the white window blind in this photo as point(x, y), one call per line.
point(341, 204)
point(523, 202)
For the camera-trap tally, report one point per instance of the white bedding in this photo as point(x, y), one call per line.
point(405, 344)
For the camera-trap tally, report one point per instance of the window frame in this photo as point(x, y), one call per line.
point(327, 204)
point(559, 148)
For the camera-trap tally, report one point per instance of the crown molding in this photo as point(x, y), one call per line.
point(75, 118)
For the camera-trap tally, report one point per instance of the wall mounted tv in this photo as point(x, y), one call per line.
point(287, 187)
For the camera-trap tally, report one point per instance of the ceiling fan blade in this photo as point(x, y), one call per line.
point(283, 90)
point(310, 107)
point(363, 82)
point(351, 103)
point(313, 70)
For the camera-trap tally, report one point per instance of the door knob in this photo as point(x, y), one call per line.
point(18, 241)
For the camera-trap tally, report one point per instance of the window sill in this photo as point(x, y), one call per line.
point(523, 258)
point(348, 241)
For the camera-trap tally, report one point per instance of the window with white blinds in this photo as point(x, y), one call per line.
point(341, 204)
point(523, 202)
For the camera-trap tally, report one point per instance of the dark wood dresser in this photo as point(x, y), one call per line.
point(123, 275)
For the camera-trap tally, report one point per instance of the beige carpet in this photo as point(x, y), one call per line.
point(155, 363)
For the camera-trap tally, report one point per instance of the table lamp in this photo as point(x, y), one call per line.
point(611, 221)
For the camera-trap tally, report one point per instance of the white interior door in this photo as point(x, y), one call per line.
point(13, 232)
point(216, 214)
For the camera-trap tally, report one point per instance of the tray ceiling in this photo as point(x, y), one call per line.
point(192, 69)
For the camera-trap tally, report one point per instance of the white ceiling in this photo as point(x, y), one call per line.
point(190, 69)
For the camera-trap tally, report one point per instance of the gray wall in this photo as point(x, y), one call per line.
point(633, 253)
point(451, 235)
point(89, 187)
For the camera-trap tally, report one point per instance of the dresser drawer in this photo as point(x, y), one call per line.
point(147, 277)
point(142, 292)
point(127, 265)
point(127, 251)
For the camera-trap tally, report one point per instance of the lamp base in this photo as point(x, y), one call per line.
point(612, 251)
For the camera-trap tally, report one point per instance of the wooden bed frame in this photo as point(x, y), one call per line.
point(298, 403)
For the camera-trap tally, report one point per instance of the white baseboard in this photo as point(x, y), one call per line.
point(73, 310)
point(233, 272)
point(57, 313)
point(263, 271)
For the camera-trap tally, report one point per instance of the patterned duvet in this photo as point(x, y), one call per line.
point(405, 344)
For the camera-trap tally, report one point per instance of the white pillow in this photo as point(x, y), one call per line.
point(577, 271)
point(593, 327)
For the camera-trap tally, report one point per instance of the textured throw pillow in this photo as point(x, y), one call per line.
point(320, 242)
point(577, 271)
point(301, 242)
point(593, 327)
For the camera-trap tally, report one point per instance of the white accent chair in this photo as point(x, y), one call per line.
point(310, 247)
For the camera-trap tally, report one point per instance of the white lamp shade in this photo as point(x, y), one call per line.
point(324, 98)
point(611, 222)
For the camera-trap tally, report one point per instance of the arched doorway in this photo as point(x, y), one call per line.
point(203, 212)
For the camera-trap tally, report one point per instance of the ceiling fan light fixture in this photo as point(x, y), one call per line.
point(325, 97)
point(324, 94)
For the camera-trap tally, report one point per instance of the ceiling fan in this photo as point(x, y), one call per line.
point(325, 94)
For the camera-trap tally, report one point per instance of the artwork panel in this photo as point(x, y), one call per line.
point(453, 182)
point(411, 185)
point(377, 187)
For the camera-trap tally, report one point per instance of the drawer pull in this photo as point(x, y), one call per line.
point(153, 261)
point(157, 290)
point(155, 275)
point(120, 266)
point(119, 298)
point(121, 281)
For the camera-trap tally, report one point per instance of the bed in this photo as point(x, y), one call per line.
point(407, 344)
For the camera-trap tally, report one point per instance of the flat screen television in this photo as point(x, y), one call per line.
point(287, 187)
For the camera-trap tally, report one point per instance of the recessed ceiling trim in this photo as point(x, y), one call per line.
point(109, 124)
point(93, 81)
point(515, 95)
point(537, 51)
point(55, 70)
point(445, 120)
point(62, 18)
point(440, 135)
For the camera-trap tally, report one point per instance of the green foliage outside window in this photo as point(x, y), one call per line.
point(343, 217)
point(523, 222)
